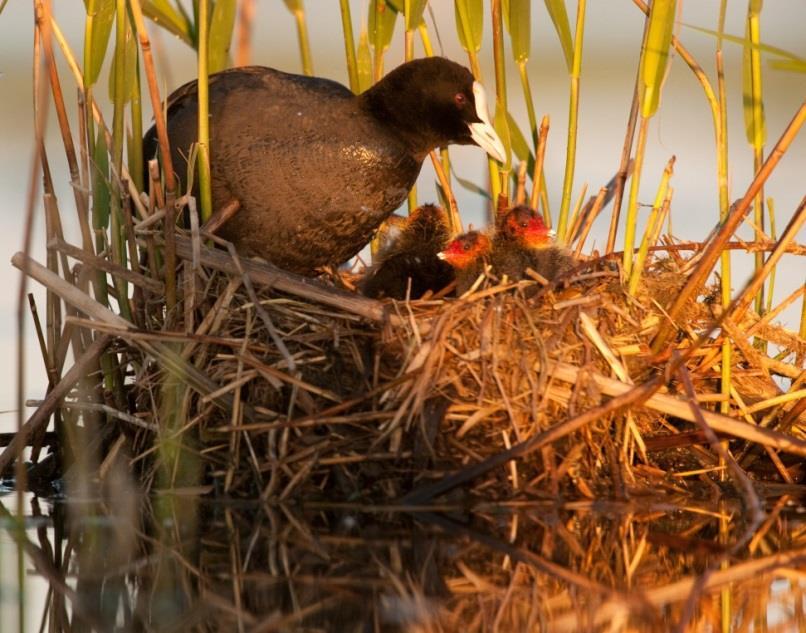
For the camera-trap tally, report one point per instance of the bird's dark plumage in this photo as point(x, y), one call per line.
point(316, 168)
point(520, 233)
point(467, 254)
point(412, 258)
point(522, 240)
point(552, 262)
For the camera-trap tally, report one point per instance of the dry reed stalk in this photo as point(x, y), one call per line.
point(102, 264)
point(590, 217)
point(305, 287)
point(246, 15)
point(165, 154)
point(714, 247)
point(40, 417)
point(540, 159)
point(677, 591)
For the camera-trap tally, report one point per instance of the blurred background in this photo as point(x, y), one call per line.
point(613, 31)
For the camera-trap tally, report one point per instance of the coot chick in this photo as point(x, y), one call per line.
point(523, 241)
point(315, 167)
point(467, 254)
point(412, 258)
point(552, 262)
point(519, 233)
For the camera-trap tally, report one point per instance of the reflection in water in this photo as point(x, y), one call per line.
point(180, 563)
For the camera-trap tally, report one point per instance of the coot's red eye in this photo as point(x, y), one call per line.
point(460, 99)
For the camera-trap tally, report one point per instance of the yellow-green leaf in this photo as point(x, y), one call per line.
point(753, 105)
point(163, 13)
point(469, 16)
point(519, 25)
point(129, 68)
point(412, 11)
point(559, 16)
point(656, 54)
point(501, 126)
point(518, 140)
point(364, 62)
point(100, 15)
point(766, 48)
point(221, 23)
point(471, 186)
point(382, 16)
point(790, 65)
point(100, 183)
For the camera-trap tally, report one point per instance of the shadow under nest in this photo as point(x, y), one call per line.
point(319, 403)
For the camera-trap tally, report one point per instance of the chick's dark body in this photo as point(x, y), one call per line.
point(313, 174)
point(551, 262)
point(411, 263)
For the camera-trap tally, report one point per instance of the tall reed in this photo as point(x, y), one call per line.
point(654, 58)
point(573, 120)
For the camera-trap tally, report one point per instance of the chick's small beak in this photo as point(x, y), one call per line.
point(483, 132)
point(441, 255)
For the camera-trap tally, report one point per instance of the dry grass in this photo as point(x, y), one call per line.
point(291, 388)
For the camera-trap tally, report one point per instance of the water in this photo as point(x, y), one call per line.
point(183, 563)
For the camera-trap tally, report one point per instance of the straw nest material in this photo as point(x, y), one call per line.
point(351, 399)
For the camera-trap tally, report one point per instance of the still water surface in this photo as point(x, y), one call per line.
point(181, 563)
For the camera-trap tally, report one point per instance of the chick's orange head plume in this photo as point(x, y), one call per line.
point(526, 225)
point(466, 249)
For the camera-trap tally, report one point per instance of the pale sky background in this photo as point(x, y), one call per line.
point(612, 39)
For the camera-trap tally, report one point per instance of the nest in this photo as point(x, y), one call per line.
point(285, 388)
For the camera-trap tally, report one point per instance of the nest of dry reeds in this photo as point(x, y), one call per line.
point(281, 387)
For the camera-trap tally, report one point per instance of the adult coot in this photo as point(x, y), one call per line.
point(410, 263)
point(315, 167)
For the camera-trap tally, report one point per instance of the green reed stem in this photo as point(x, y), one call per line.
point(464, 23)
point(538, 182)
point(530, 112)
point(117, 238)
point(774, 238)
point(472, 55)
point(423, 31)
point(720, 112)
point(756, 126)
point(573, 122)
point(378, 48)
point(408, 53)
point(527, 97)
point(632, 201)
point(99, 280)
point(135, 143)
point(349, 45)
point(203, 163)
point(304, 43)
point(500, 180)
point(653, 226)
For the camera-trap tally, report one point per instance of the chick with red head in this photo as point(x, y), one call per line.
point(523, 241)
point(467, 254)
